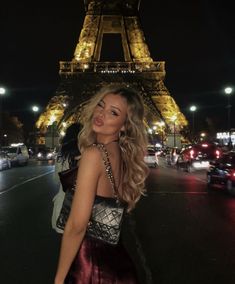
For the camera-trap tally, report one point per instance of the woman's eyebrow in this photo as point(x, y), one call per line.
point(116, 108)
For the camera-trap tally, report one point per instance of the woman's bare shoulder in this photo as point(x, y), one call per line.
point(91, 153)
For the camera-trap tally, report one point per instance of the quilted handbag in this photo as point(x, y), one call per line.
point(105, 222)
point(107, 213)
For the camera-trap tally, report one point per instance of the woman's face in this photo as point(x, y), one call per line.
point(109, 115)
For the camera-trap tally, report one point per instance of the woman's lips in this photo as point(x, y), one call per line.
point(98, 121)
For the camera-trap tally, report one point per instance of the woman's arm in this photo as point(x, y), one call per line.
point(88, 175)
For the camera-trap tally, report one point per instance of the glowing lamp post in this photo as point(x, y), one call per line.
point(228, 91)
point(35, 109)
point(2, 93)
point(193, 109)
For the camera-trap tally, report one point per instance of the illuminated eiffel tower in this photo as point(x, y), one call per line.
point(112, 21)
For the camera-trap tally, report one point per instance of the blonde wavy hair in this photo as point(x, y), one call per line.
point(133, 141)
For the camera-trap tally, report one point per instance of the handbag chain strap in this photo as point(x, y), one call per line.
point(108, 167)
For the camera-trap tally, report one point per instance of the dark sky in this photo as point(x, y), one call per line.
point(195, 38)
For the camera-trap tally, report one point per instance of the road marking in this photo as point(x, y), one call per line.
point(26, 181)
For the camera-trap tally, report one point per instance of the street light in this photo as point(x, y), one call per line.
point(2, 93)
point(228, 91)
point(35, 109)
point(193, 109)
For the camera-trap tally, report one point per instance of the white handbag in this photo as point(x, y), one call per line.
point(58, 201)
point(58, 198)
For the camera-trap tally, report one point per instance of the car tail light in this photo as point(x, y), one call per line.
point(231, 175)
point(217, 154)
point(191, 154)
point(204, 145)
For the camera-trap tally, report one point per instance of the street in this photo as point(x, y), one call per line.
point(186, 231)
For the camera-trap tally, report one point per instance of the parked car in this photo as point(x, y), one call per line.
point(46, 155)
point(18, 154)
point(5, 162)
point(222, 171)
point(151, 158)
point(198, 156)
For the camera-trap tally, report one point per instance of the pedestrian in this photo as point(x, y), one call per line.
point(113, 134)
point(67, 158)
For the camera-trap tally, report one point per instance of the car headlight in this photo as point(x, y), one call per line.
point(39, 155)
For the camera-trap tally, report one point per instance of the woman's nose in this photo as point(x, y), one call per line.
point(101, 112)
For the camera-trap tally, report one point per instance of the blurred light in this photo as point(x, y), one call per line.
point(17, 144)
point(49, 155)
point(228, 90)
point(191, 154)
point(52, 119)
point(204, 145)
point(193, 108)
point(217, 153)
point(2, 91)
point(35, 108)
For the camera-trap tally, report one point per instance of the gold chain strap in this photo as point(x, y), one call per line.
point(108, 167)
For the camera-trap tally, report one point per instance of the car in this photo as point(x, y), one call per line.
point(5, 162)
point(18, 154)
point(198, 156)
point(151, 157)
point(46, 155)
point(222, 171)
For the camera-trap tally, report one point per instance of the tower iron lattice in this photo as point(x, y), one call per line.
point(86, 72)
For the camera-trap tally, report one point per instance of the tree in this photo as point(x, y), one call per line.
point(11, 129)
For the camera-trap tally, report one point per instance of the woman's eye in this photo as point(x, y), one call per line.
point(114, 113)
point(100, 104)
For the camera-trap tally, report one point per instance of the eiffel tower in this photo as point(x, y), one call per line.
point(87, 72)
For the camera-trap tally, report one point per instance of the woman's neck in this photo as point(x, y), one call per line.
point(107, 141)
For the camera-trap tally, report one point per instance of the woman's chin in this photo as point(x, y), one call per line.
point(96, 128)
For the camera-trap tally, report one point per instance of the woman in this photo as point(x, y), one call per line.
point(113, 118)
point(67, 158)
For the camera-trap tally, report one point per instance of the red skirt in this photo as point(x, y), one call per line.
point(101, 263)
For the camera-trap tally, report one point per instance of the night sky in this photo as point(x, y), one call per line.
point(195, 38)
